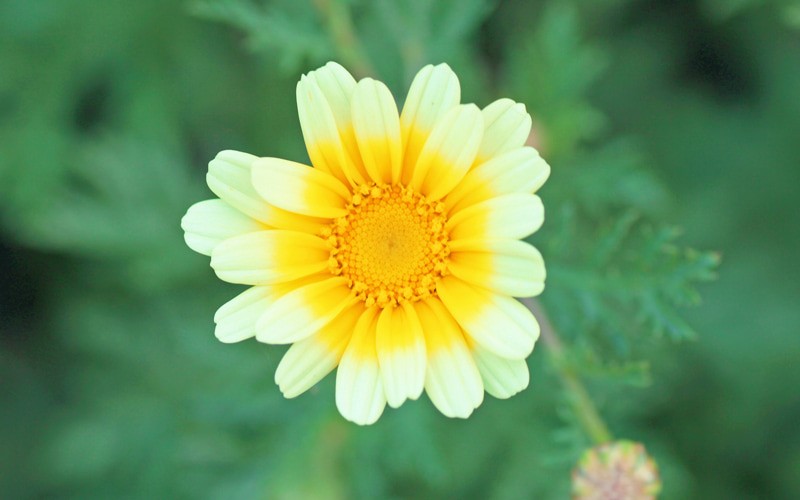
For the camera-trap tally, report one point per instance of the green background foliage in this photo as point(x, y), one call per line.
point(668, 125)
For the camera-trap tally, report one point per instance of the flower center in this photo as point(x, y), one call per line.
point(391, 246)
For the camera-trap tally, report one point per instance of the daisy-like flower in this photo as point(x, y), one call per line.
point(621, 470)
point(396, 257)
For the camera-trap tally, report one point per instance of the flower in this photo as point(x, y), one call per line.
point(396, 256)
point(620, 470)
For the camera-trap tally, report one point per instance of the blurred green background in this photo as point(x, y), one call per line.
point(652, 114)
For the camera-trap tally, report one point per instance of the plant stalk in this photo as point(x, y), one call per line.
point(590, 419)
point(340, 26)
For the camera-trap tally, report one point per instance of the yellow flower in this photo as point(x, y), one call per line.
point(620, 470)
point(396, 257)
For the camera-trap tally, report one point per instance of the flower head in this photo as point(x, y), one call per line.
point(620, 470)
point(396, 257)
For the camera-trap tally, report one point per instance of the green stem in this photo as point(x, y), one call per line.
point(340, 25)
point(582, 404)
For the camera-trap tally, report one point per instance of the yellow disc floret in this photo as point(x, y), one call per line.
point(391, 246)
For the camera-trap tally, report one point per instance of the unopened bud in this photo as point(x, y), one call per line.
point(620, 470)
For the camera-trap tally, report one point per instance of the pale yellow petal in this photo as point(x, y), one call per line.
point(400, 343)
point(209, 222)
point(511, 216)
point(452, 380)
point(309, 360)
point(502, 377)
point(268, 257)
point(434, 91)
point(508, 267)
point(304, 311)
point(449, 151)
point(229, 177)
point(520, 170)
point(360, 396)
point(236, 319)
point(508, 126)
point(497, 323)
point(324, 106)
point(299, 188)
point(377, 128)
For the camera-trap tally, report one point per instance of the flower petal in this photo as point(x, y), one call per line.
point(508, 126)
point(512, 216)
point(401, 353)
point(449, 151)
point(209, 222)
point(377, 128)
point(309, 360)
point(229, 177)
point(508, 267)
point(236, 319)
point(303, 312)
point(299, 188)
point(502, 377)
point(360, 396)
point(520, 170)
point(498, 323)
point(433, 92)
point(272, 256)
point(323, 105)
point(452, 380)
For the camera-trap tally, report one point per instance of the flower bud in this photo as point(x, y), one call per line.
point(620, 470)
